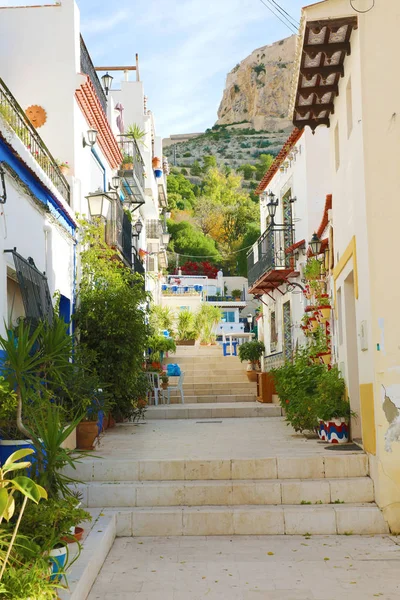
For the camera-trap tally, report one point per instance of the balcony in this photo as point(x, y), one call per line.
point(119, 232)
point(13, 114)
point(137, 264)
point(88, 68)
point(132, 171)
point(268, 265)
point(154, 229)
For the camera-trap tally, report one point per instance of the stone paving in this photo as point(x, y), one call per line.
point(251, 568)
point(188, 439)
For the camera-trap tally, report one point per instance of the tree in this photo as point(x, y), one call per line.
point(248, 171)
point(208, 215)
point(263, 164)
point(180, 191)
point(209, 162)
point(190, 241)
point(196, 169)
point(250, 237)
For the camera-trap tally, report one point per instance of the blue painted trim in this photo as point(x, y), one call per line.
point(37, 189)
point(101, 165)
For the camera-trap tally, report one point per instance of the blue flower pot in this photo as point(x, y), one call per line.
point(158, 173)
point(58, 559)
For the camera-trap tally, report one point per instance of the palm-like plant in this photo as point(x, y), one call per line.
point(207, 318)
point(135, 132)
point(185, 325)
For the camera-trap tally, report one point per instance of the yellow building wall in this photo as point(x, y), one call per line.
point(368, 417)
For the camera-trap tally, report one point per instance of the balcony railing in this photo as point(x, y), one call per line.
point(154, 229)
point(271, 254)
point(13, 114)
point(119, 231)
point(88, 68)
point(133, 164)
point(137, 264)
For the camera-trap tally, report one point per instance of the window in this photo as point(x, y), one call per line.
point(337, 148)
point(349, 107)
point(15, 305)
point(228, 316)
point(274, 332)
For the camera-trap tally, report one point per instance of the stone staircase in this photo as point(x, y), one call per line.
point(275, 492)
point(219, 383)
point(260, 496)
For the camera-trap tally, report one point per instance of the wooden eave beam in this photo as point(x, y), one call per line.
point(313, 123)
point(320, 90)
point(333, 24)
point(324, 72)
point(316, 109)
point(115, 68)
point(330, 48)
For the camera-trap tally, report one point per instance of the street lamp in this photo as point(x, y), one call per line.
point(107, 81)
point(99, 204)
point(315, 244)
point(165, 238)
point(272, 204)
point(91, 138)
point(138, 226)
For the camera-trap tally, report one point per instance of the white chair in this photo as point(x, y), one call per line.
point(175, 388)
point(155, 388)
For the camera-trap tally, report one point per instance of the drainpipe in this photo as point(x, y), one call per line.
point(48, 240)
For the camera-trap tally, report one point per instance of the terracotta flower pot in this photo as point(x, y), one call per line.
point(74, 537)
point(111, 421)
point(86, 433)
point(164, 386)
point(312, 324)
point(156, 163)
point(252, 375)
point(64, 170)
point(324, 313)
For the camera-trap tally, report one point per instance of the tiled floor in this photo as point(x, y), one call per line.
point(189, 439)
point(251, 568)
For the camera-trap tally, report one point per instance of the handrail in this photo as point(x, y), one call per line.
point(13, 114)
point(271, 255)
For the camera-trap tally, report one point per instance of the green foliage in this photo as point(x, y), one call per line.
point(184, 171)
point(331, 396)
point(189, 240)
point(187, 154)
point(251, 351)
point(205, 320)
point(236, 88)
point(28, 581)
point(196, 169)
point(258, 69)
point(209, 162)
point(47, 523)
point(263, 164)
point(248, 171)
point(249, 238)
point(312, 269)
point(135, 132)
point(160, 343)
point(297, 387)
point(236, 293)
point(161, 318)
point(185, 325)
point(111, 320)
point(180, 191)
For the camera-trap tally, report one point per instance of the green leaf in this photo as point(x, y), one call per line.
point(27, 487)
point(3, 501)
point(42, 491)
point(16, 466)
point(10, 508)
point(18, 455)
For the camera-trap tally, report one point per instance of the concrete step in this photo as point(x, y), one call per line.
point(212, 377)
point(212, 398)
point(213, 410)
point(205, 366)
point(306, 467)
point(357, 519)
point(217, 386)
point(228, 493)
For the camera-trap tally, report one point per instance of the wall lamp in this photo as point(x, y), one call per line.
point(99, 204)
point(91, 138)
point(138, 226)
point(3, 196)
point(272, 204)
point(315, 244)
point(115, 183)
point(107, 82)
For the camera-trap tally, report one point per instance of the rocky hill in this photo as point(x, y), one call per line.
point(252, 117)
point(257, 89)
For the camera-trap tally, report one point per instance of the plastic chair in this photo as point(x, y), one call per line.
point(155, 388)
point(175, 388)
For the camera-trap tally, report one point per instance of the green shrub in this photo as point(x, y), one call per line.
point(251, 351)
point(331, 396)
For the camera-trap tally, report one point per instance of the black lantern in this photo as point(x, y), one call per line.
point(107, 81)
point(91, 138)
point(138, 228)
point(315, 244)
point(272, 204)
point(115, 182)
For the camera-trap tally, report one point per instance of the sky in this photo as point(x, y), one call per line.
point(186, 48)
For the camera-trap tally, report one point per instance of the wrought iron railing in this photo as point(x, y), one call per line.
point(154, 229)
point(137, 264)
point(88, 68)
point(271, 254)
point(133, 160)
point(119, 231)
point(13, 114)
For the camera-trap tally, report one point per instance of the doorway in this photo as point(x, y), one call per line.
point(352, 374)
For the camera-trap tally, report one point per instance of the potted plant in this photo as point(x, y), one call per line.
point(236, 294)
point(164, 381)
point(206, 319)
point(323, 308)
point(185, 328)
point(127, 162)
point(64, 167)
point(333, 408)
point(252, 352)
point(87, 431)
